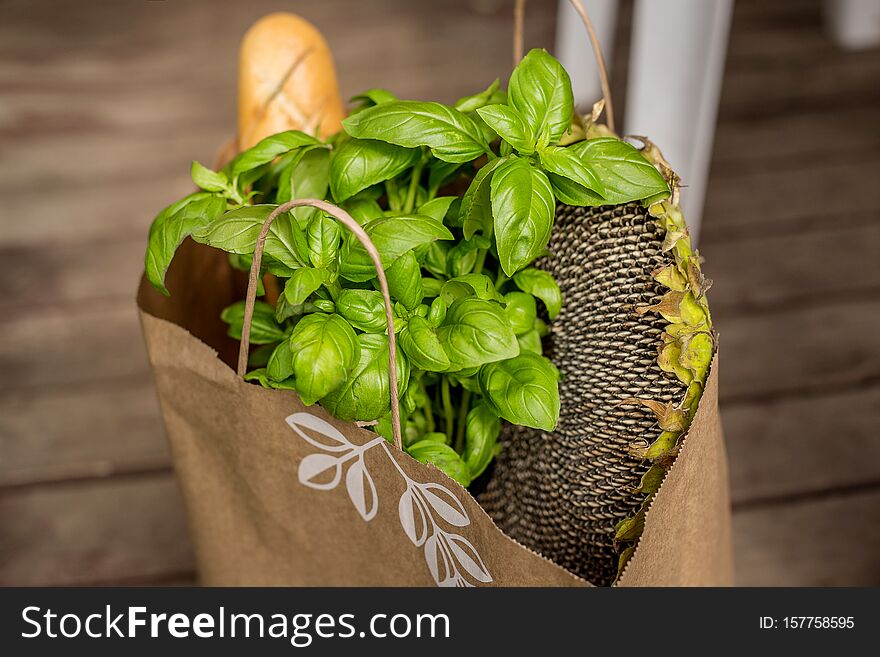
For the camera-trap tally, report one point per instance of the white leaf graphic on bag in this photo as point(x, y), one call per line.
point(452, 560)
point(466, 555)
point(411, 513)
point(336, 442)
point(312, 467)
point(438, 561)
point(447, 505)
point(362, 490)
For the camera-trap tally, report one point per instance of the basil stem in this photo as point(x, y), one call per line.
point(413, 185)
point(462, 420)
point(448, 411)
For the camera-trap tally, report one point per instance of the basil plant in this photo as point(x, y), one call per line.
point(459, 202)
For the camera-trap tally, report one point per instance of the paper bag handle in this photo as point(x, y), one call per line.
point(250, 300)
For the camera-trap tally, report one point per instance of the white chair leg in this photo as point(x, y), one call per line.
point(574, 51)
point(675, 71)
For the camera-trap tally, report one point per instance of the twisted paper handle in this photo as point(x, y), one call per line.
point(346, 220)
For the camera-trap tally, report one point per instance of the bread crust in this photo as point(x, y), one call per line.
point(287, 81)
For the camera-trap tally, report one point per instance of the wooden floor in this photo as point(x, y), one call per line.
point(103, 105)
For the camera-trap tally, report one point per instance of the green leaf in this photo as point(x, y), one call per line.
point(475, 332)
point(490, 94)
point(268, 149)
point(451, 135)
point(542, 285)
point(566, 163)
point(364, 309)
point(324, 350)
point(437, 312)
point(264, 328)
point(304, 281)
point(363, 210)
point(571, 193)
point(210, 181)
point(476, 206)
point(523, 390)
point(510, 126)
point(469, 285)
point(540, 90)
point(625, 173)
point(307, 177)
point(393, 236)
point(323, 235)
point(237, 232)
point(365, 396)
point(530, 341)
point(171, 226)
point(442, 456)
point(360, 163)
point(421, 345)
point(280, 367)
point(523, 207)
point(520, 311)
point(462, 258)
point(405, 281)
point(372, 97)
point(480, 438)
point(437, 208)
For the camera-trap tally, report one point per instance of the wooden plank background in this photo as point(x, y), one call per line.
point(102, 107)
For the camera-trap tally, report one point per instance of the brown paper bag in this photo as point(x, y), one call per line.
point(282, 494)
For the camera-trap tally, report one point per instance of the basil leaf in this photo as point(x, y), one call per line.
point(566, 163)
point(530, 341)
point(372, 97)
point(523, 390)
point(462, 258)
point(510, 126)
point(280, 366)
point(523, 207)
point(478, 100)
point(470, 285)
point(540, 90)
point(268, 149)
point(405, 281)
point(422, 346)
point(443, 457)
point(542, 285)
point(430, 287)
point(210, 181)
point(475, 332)
point(434, 259)
point(363, 210)
point(363, 309)
point(480, 438)
point(365, 395)
point(283, 310)
point(437, 207)
point(302, 283)
point(476, 208)
point(323, 235)
point(393, 236)
point(626, 174)
point(360, 163)
point(451, 135)
point(237, 232)
point(571, 193)
point(307, 177)
point(324, 349)
point(520, 311)
point(437, 311)
point(264, 328)
point(171, 226)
